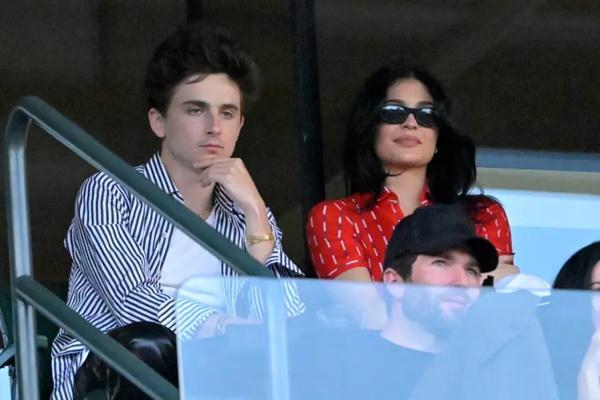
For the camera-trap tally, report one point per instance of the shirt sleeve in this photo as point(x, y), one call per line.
point(281, 265)
point(116, 266)
point(332, 242)
point(491, 223)
point(278, 256)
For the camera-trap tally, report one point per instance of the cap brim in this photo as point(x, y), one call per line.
point(484, 252)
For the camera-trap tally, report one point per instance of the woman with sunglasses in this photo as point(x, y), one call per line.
point(400, 153)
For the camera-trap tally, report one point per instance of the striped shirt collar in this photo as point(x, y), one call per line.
point(158, 174)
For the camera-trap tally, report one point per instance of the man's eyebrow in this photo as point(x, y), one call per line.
point(198, 103)
point(230, 106)
point(445, 255)
point(201, 103)
point(449, 256)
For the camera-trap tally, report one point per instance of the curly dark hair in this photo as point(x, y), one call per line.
point(198, 49)
point(451, 172)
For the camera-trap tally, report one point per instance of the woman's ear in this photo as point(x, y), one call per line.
point(157, 122)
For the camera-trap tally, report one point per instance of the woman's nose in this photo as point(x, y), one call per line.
point(410, 121)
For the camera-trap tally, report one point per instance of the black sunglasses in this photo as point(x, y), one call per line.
point(392, 113)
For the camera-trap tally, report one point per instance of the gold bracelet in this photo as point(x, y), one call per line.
point(255, 239)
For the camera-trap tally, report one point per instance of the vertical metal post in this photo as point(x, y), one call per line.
point(307, 102)
point(19, 243)
point(278, 345)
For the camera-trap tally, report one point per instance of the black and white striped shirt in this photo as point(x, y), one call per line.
point(118, 245)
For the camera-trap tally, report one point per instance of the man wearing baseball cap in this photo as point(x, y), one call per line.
point(435, 246)
point(430, 347)
point(432, 275)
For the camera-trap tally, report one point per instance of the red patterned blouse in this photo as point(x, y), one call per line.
point(342, 235)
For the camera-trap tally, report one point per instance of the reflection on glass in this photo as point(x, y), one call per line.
point(588, 378)
point(438, 342)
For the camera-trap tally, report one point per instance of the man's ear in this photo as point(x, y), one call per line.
point(391, 281)
point(237, 135)
point(157, 122)
point(242, 120)
point(390, 275)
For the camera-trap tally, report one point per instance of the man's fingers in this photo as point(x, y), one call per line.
point(212, 161)
point(215, 173)
point(205, 181)
point(207, 177)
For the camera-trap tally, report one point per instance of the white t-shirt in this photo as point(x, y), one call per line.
point(186, 259)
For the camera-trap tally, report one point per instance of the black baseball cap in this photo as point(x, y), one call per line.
point(434, 229)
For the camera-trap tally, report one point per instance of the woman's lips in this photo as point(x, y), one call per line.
point(407, 140)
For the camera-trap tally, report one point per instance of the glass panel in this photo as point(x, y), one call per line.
point(548, 227)
point(4, 383)
point(437, 343)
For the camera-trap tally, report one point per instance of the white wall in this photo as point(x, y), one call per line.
point(547, 227)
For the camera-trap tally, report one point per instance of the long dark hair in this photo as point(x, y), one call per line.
point(576, 273)
point(451, 172)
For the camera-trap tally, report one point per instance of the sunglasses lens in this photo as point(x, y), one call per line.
point(393, 114)
point(397, 114)
point(426, 117)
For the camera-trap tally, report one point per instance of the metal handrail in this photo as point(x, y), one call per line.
point(32, 109)
point(104, 346)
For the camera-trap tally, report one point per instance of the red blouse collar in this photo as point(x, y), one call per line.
point(386, 195)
